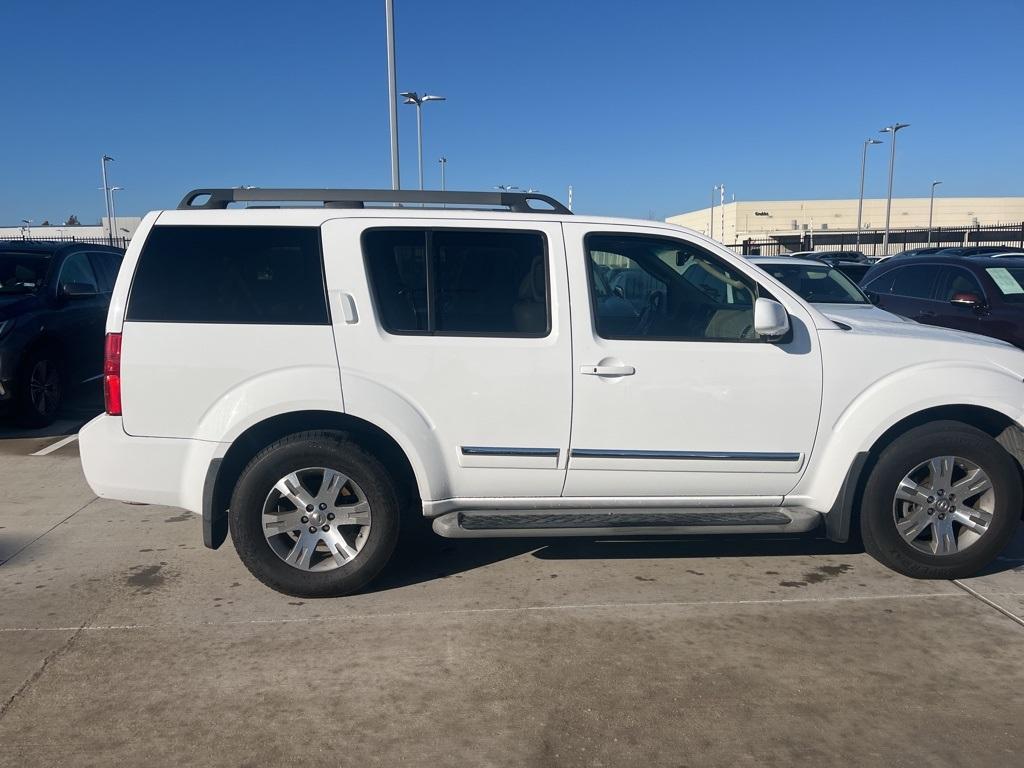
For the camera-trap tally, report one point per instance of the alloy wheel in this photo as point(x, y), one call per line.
point(44, 387)
point(316, 519)
point(944, 505)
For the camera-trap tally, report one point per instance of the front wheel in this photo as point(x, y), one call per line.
point(314, 515)
point(942, 501)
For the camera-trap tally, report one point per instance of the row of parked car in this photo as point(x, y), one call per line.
point(979, 289)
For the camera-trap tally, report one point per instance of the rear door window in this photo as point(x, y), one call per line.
point(215, 274)
point(912, 282)
point(77, 269)
point(459, 282)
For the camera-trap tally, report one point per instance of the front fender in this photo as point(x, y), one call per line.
point(845, 432)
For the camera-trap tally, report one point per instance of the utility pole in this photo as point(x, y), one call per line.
point(389, 16)
point(892, 162)
point(106, 196)
point(721, 205)
point(443, 161)
point(931, 206)
point(860, 202)
point(711, 215)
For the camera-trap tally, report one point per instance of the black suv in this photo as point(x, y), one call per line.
point(53, 309)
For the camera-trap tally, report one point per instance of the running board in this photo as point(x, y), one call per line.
point(490, 524)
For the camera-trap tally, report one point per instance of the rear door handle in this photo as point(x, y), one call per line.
point(608, 370)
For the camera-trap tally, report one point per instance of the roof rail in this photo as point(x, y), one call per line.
point(516, 202)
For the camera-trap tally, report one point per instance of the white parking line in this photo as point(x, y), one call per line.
point(56, 446)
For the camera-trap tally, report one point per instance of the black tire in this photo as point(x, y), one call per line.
point(290, 454)
point(881, 538)
point(39, 389)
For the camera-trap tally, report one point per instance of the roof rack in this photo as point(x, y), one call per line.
point(516, 202)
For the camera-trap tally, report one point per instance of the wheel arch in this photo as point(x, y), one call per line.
point(224, 472)
point(845, 511)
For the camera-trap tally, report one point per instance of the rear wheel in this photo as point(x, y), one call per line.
point(39, 389)
point(314, 515)
point(943, 500)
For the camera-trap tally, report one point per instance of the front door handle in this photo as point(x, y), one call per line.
point(608, 370)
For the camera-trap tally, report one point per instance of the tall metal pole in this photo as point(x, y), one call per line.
point(860, 201)
point(106, 196)
point(570, 197)
point(893, 129)
point(721, 207)
point(113, 212)
point(711, 230)
point(419, 138)
point(389, 14)
point(931, 207)
point(443, 161)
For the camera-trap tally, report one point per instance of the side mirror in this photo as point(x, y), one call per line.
point(770, 319)
point(77, 290)
point(972, 300)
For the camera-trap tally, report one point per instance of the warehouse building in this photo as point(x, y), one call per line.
point(756, 220)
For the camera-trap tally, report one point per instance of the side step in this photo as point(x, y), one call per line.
point(489, 524)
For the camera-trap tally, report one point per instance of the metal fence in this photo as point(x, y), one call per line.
point(871, 240)
point(117, 242)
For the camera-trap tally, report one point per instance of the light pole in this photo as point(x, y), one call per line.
point(893, 129)
point(106, 194)
point(113, 210)
point(389, 18)
point(711, 229)
point(863, 166)
point(26, 229)
point(931, 207)
point(411, 97)
point(443, 161)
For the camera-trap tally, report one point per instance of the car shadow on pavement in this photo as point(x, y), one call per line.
point(426, 557)
point(423, 556)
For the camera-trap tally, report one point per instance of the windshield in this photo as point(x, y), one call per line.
point(817, 283)
point(21, 272)
point(1009, 281)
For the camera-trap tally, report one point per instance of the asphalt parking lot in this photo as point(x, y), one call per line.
point(124, 641)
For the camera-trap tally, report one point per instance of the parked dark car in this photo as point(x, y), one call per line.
point(53, 308)
point(980, 250)
point(969, 293)
point(925, 251)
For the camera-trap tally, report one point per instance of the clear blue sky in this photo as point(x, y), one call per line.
point(642, 106)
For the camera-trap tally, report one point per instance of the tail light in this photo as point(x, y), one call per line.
point(112, 374)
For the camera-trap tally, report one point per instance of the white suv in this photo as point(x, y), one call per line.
point(306, 376)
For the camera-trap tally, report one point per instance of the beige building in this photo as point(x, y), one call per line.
point(765, 218)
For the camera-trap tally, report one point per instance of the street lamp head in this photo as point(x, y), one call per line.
point(107, 158)
point(872, 141)
point(935, 184)
point(431, 97)
point(411, 97)
point(894, 127)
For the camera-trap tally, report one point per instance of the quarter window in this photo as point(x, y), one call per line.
point(913, 282)
point(658, 288)
point(459, 281)
point(214, 274)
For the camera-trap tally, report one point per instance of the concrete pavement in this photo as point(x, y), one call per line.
point(122, 640)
